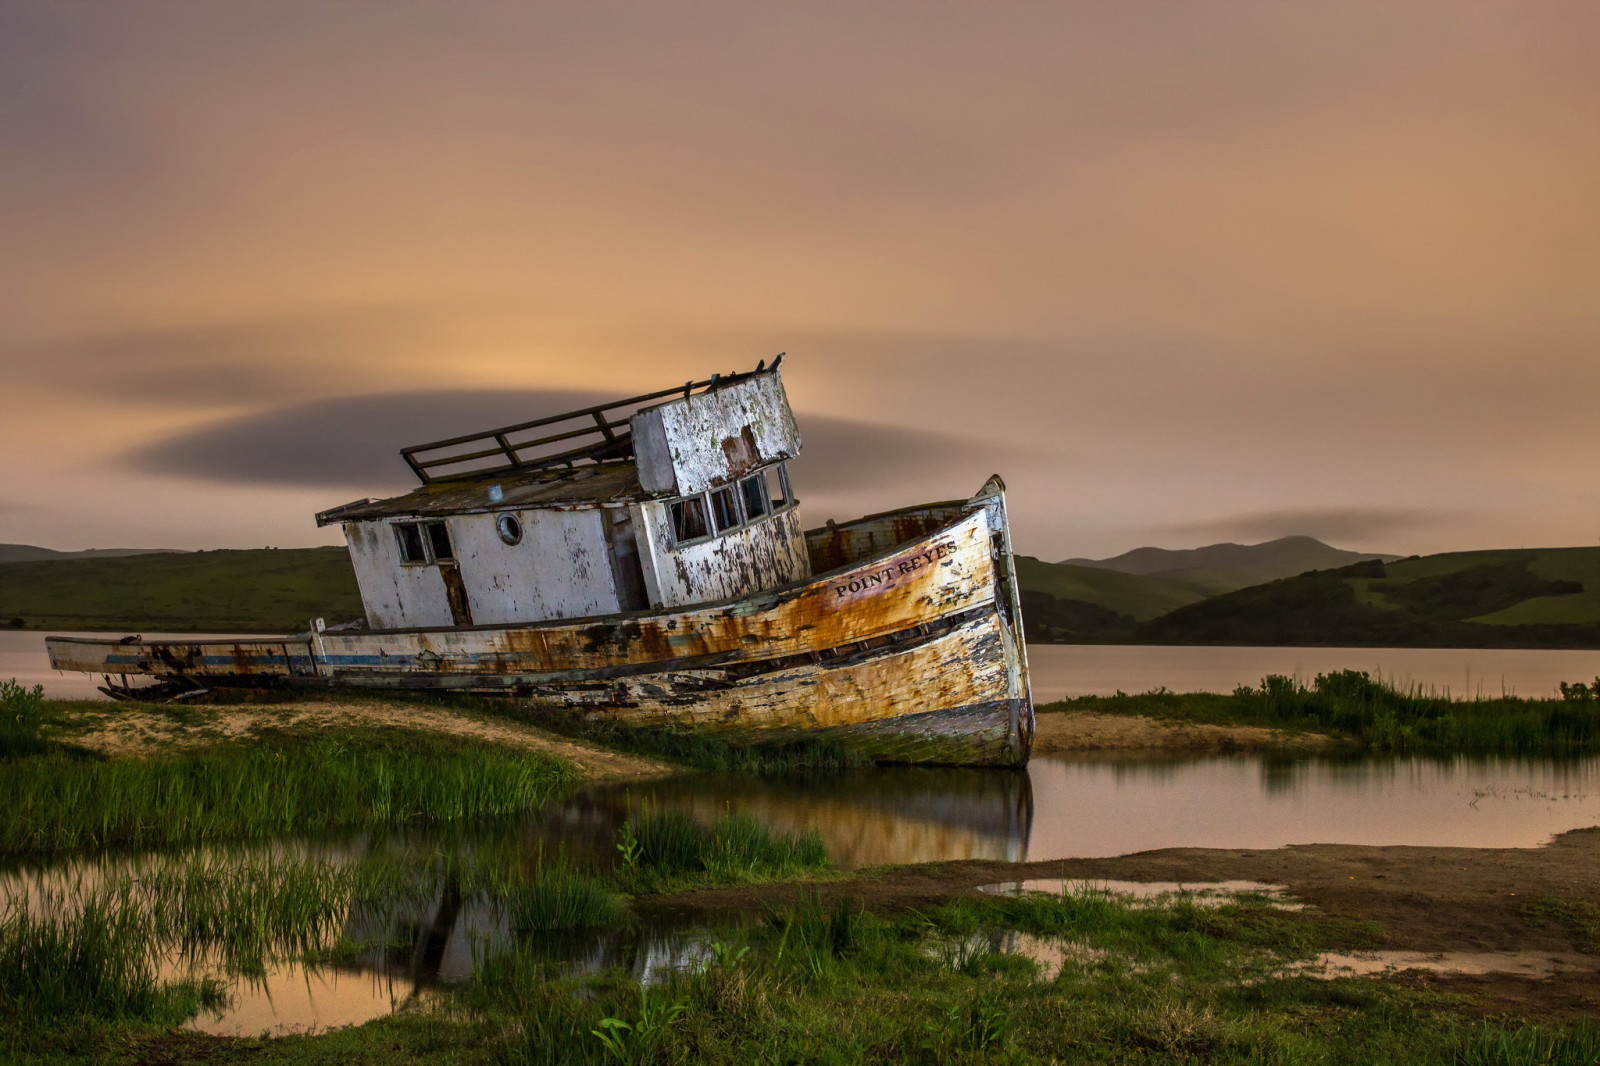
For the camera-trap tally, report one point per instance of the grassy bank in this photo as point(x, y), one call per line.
point(61, 798)
point(1379, 717)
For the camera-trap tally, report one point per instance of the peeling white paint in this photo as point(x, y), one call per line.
point(770, 551)
point(713, 437)
point(560, 569)
point(396, 594)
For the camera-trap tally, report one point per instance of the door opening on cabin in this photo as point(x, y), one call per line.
point(626, 568)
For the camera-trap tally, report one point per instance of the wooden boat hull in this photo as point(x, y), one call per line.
point(909, 649)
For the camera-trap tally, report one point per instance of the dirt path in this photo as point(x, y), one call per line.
point(136, 732)
point(1066, 732)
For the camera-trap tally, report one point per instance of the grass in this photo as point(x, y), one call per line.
point(276, 782)
point(1379, 717)
point(967, 981)
point(668, 850)
point(1174, 984)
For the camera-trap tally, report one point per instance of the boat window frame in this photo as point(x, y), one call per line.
point(422, 530)
point(788, 500)
point(737, 490)
point(700, 501)
point(753, 490)
point(731, 496)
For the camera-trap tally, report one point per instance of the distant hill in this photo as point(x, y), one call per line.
point(1102, 600)
point(1546, 597)
point(28, 553)
point(262, 590)
point(1219, 568)
point(1067, 603)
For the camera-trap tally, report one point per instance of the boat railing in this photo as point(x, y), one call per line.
point(588, 435)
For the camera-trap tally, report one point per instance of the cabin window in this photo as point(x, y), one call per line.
point(509, 528)
point(439, 542)
point(785, 494)
point(754, 490)
point(410, 537)
point(689, 519)
point(424, 542)
point(725, 506)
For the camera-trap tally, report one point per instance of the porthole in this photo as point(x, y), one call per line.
point(509, 528)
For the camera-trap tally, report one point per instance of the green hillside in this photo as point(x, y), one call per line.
point(1546, 597)
point(263, 590)
point(29, 553)
point(1063, 602)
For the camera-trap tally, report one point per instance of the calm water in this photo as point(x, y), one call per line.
point(1061, 670)
point(1057, 808)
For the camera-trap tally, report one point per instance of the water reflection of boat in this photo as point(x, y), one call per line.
point(912, 814)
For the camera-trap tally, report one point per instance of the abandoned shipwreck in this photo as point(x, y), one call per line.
point(643, 561)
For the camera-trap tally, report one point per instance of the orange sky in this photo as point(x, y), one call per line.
point(1182, 272)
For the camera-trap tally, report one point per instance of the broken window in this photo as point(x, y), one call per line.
point(439, 542)
point(725, 505)
point(754, 489)
point(424, 542)
point(785, 495)
point(689, 519)
point(410, 537)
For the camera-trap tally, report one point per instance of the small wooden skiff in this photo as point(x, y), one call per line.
point(897, 636)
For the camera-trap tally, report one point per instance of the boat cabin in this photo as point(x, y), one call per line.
point(664, 500)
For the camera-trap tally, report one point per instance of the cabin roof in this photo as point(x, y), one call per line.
point(584, 486)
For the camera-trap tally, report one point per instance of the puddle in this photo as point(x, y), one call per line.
point(1149, 893)
point(297, 999)
point(1520, 963)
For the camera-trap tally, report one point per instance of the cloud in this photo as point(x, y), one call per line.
point(352, 442)
point(1335, 523)
point(291, 356)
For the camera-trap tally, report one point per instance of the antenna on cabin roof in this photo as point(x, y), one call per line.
point(778, 359)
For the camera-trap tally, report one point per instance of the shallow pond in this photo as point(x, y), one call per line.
point(1056, 809)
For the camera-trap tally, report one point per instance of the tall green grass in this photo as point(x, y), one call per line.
point(22, 713)
point(662, 849)
point(281, 784)
point(95, 963)
point(1381, 717)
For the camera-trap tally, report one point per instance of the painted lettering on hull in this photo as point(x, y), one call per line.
point(906, 564)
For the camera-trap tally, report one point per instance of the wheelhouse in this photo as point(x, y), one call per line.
point(664, 500)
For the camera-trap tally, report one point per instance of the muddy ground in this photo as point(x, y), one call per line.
point(1544, 901)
